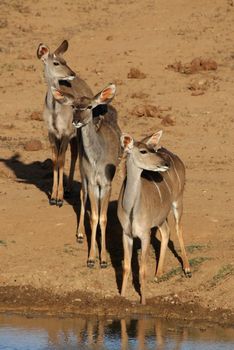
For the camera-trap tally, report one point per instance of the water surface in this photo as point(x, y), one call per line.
point(21, 333)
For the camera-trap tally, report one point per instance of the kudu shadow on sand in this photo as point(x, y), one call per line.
point(40, 174)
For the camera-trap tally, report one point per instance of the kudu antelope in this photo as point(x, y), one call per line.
point(99, 156)
point(154, 184)
point(59, 117)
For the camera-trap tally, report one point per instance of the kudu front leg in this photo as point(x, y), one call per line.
point(61, 162)
point(144, 249)
point(104, 201)
point(127, 245)
point(74, 155)
point(53, 197)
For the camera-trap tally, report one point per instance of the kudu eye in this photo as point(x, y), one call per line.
point(143, 151)
point(89, 107)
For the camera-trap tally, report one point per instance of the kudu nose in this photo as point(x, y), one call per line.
point(77, 124)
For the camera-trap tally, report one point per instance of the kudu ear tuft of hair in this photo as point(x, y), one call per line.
point(126, 142)
point(61, 97)
point(154, 139)
point(106, 95)
point(42, 51)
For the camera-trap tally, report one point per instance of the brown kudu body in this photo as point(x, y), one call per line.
point(145, 200)
point(59, 117)
point(99, 156)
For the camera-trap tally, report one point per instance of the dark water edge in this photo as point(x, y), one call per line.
point(41, 333)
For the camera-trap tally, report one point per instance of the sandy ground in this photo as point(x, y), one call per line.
point(42, 266)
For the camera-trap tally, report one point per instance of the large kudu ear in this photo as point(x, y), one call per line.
point(61, 97)
point(43, 52)
point(153, 141)
point(126, 142)
point(62, 48)
point(105, 96)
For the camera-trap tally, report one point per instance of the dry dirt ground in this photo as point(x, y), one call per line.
point(42, 266)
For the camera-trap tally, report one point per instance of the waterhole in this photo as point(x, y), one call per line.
point(21, 333)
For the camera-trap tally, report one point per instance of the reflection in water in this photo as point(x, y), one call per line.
point(99, 334)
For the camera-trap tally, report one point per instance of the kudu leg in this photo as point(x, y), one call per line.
point(165, 234)
point(104, 201)
point(144, 248)
point(83, 199)
point(93, 197)
point(127, 245)
point(53, 198)
point(74, 154)
point(177, 211)
point(61, 162)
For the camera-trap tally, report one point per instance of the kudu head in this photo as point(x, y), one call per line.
point(82, 107)
point(144, 155)
point(55, 66)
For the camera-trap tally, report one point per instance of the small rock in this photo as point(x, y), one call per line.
point(168, 120)
point(150, 111)
point(140, 94)
point(36, 116)
point(109, 38)
point(197, 93)
point(196, 65)
point(135, 73)
point(33, 145)
point(139, 111)
point(3, 23)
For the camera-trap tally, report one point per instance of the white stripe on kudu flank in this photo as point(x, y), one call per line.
point(169, 190)
point(175, 170)
point(159, 192)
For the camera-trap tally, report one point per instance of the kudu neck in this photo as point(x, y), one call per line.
point(50, 79)
point(133, 185)
point(92, 145)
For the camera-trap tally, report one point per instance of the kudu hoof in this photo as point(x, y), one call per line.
point(103, 264)
point(80, 238)
point(59, 203)
point(158, 279)
point(53, 201)
point(90, 263)
point(188, 274)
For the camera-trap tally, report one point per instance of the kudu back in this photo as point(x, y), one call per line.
point(99, 155)
point(59, 117)
point(153, 186)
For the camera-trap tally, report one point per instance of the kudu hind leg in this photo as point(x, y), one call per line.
point(83, 199)
point(127, 245)
point(94, 198)
point(53, 197)
point(165, 234)
point(177, 211)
